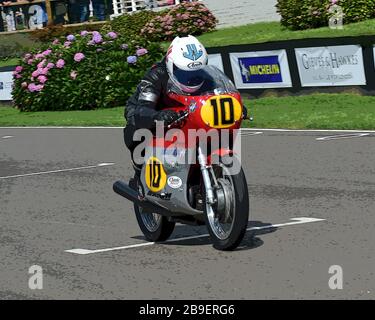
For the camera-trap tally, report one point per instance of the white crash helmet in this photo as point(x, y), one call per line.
point(186, 59)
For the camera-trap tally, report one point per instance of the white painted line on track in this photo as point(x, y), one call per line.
point(61, 127)
point(242, 129)
point(343, 136)
point(6, 137)
point(307, 130)
point(294, 221)
point(57, 171)
point(244, 133)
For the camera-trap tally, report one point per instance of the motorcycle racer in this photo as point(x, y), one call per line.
point(150, 102)
point(183, 67)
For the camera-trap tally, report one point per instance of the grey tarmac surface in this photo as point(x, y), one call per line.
point(290, 174)
point(240, 12)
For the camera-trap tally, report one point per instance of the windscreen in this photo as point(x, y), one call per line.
point(215, 82)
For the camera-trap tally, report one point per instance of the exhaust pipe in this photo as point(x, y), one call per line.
point(125, 191)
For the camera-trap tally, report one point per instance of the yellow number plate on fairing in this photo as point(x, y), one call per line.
point(221, 111)
point(155, 175)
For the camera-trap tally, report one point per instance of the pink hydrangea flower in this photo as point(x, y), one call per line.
point(78, 57)
point(24, 84)
point(40, 71)
point(42, 79)
point(141, 52)
point(31, 87)
point(42, 63)
point(73, 74)
point(70, 37)
point(39, 87)
point(50, 65)
point(60, 64)
point(36, 73)
point(47, 52)
point(19, 69)
point(112, 35)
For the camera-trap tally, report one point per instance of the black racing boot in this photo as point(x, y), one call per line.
point(136, 183)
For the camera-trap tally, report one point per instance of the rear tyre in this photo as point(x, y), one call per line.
point(227, 219)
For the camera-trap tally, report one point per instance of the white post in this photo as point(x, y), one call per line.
point(177, 1)
point(91, 9)
point(115, 7)
point(134, 6)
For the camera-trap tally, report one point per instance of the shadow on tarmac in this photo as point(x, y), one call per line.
point(250, 240)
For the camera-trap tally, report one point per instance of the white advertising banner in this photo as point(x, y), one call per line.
point(331, 66)
point(6, 82)
point(216, 60)
point(261, 69)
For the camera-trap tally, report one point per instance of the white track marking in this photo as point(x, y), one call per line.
point(61, 127)
point(295, 221)
point(343, 136)
point(242, 129)
point(256, 133)
point(57, 171)
point(7, 137)
point(311, 130)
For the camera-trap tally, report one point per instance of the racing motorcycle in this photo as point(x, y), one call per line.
point(210, 188)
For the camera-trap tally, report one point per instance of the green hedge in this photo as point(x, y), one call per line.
point(130, 25)
point(307, 14)
point(81, 72)
point(15, 45)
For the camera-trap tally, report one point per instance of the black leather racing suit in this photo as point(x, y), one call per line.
point(150, 97)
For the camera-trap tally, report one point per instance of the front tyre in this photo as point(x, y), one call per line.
point(227, 219)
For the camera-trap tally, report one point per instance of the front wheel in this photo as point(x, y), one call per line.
point(227, 218)
point(155, 227)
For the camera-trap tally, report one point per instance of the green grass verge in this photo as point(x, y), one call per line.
point(103, 117)
point(273, 31)
point(317, 111)
point(9, 62)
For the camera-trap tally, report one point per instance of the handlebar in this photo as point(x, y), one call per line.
point(185, 114)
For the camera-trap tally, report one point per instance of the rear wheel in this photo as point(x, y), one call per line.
point(227, 219)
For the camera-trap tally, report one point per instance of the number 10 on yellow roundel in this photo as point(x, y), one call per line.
point(155, 175)
point(221, 111)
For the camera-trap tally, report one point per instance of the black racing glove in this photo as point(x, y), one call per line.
point(244, 113)
point(168, 116)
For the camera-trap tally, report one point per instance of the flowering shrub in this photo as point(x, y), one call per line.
point(129, 25)
point(82, 71)
point(187, 18)
point(307, 14)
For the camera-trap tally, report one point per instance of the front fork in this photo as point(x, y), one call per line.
point(205, 169)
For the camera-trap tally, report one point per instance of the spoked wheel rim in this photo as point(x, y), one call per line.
point(221, 215)
point(151, 221)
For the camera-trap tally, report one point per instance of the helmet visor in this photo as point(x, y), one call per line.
point(193, 78)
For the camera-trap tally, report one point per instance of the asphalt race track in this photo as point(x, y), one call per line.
point(56, 195)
